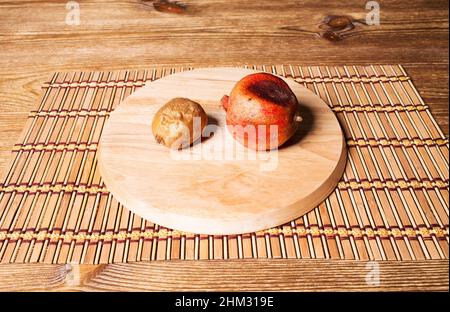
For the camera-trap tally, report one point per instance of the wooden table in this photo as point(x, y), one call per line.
point(131, 34)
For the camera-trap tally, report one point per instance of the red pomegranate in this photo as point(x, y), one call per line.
point(262, 111)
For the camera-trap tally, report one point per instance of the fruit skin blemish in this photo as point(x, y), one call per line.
point(259, 105)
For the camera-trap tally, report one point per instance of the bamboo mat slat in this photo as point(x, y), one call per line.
point(391, 204)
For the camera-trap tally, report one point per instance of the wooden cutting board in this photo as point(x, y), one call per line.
point(218, 186)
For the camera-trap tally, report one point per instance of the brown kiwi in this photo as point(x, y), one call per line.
point(179, 123)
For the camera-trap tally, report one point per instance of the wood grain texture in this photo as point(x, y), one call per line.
point(229, 275)
point(130, 34)
point(35, 41)
point(218, 186)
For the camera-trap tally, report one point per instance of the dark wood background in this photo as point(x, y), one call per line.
point(129, 34)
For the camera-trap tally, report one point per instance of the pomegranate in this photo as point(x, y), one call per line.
point(261, 111)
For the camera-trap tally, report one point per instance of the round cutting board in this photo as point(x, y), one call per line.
point(218, 186)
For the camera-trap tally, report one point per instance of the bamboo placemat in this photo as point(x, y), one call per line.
point(392, 203)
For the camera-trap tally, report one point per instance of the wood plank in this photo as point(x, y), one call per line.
point(249, 31)
point(229, 275)
point(128, 34)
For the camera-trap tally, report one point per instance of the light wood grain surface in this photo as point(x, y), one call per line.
point(217, 186)
point(129, 34)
